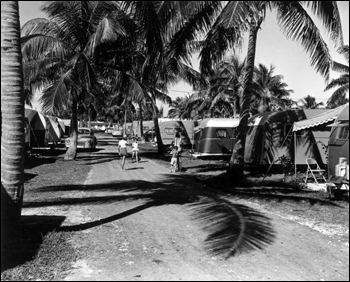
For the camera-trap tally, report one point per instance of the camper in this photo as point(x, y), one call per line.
point(127, 128)
point(169, 128)
point(338, 146)
point(136, 127)
point(214, 138)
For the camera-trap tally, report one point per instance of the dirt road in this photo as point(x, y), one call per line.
point(145, 223)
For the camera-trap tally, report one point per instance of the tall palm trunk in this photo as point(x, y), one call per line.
point(236, 165)
point(12, 114)
point(141, 121)
point(161, 149)
point(71, 153)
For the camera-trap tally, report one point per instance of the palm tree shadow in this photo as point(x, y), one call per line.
point(236, 228)
point(21, 242)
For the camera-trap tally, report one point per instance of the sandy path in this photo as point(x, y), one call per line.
point(124, 236)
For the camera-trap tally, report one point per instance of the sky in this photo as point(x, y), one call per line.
point(273, 48)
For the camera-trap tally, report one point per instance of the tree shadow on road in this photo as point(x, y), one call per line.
point(21, 242)
point(231, 227)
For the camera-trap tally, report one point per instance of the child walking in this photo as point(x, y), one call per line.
point(174, 156)
point(135, 151)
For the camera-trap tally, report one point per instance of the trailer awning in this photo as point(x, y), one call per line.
point(319, 119)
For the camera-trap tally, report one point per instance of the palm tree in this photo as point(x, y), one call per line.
point(59, 53)
point(221, 96)
point(338, 97)
point(178, 108)
point(270, 93)
point(309, 102)
point(12, 114)
point(239, 17)
point(167, 28)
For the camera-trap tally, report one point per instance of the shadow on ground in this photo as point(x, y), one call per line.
point(21, 242)
point(239, 229)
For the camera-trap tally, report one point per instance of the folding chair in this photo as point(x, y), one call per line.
point(314, 171)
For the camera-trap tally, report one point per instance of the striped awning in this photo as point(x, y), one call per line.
point(319, 119)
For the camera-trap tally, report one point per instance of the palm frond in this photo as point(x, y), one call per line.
point(297, 24)
point(55, 97)
point(340, 81)
point(232, 228)
point(108, 29)
point(328, 12)
point(341, 68)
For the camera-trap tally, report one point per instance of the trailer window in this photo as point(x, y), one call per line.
point(343, 132)
point(222, 133)
point(169, 130)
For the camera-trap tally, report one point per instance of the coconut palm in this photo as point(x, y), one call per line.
point(309, 102)
point(178, 108)
point(167, 28)
point(239, 17)
point(12, 114)
point(338, 97)
point(59, 53)
point(270, 93)
point(222, 95)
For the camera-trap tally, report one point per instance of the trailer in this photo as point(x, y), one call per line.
point(215, 138)
point(168, 130)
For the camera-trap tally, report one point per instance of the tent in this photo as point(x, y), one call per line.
point(320, 120)
point(270, 136)
point(53, 130)
point(37, 127)
point(62, 126)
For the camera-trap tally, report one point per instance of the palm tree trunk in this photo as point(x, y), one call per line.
point(160, 145)
point(12, 114)
point(236, 165)
point(71, 153)
point(141, 121)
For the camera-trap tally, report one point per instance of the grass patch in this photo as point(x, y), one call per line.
point(33, 250)
point(52, 260)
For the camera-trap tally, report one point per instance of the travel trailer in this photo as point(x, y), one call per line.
point(214, 138)
point(338, 146)
point(136, 127)
point(169, 128)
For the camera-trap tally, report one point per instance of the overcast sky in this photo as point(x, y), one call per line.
point(288, 57)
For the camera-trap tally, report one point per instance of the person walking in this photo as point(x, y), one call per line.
point(174, 158)
point(178, 141)
point(135, 151)
point(122, 150)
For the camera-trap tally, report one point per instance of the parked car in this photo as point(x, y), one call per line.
point(109, 130)
point(117, 133)
point(149, 134)
point(86, 139)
